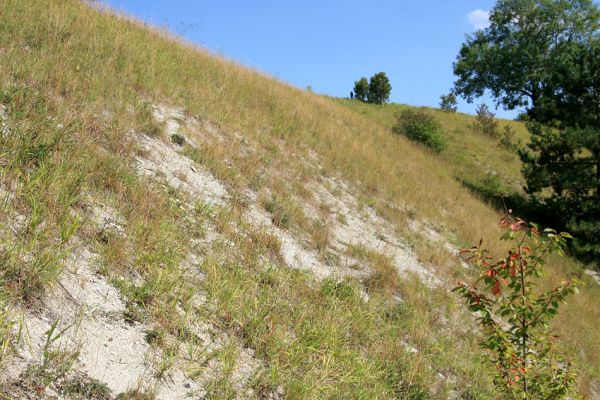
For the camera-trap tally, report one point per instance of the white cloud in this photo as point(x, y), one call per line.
point(480, 19)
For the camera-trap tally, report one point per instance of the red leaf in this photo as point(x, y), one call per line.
point(517, 226)
point(497, 289)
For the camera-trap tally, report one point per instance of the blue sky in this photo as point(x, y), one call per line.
point(329, 44)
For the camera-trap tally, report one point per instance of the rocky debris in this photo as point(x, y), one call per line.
point(409, 347)
point(293, 252)
point(351, 227)
point(160, 159)
point(4, 126)
point(106, 218)
point(84, 315)
point(170, 116)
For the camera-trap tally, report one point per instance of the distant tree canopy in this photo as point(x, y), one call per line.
point(544, 55)
point(376, 90)
point(379, 88)
point(448, 102)
point(361, 89)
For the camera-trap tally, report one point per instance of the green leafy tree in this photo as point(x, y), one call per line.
point(562, 165)
point(361, 89)
point(511, 57)
point(380, 89)
point(448, 102)
point(514, 314)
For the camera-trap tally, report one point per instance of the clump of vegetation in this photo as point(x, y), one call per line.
point(448, 102)
point(320, 235)
point(146, 123)
point(56, 376)
point(7, 323)
point(136, 394)
point(336, 288)
point(31, 259)
point(383, 276)
point(155, 337)
point(421, 127)
point(80, 386)
point(285, 213)
point(178, 139)
point(376, 90)
point(514, 314)
point(485, 121)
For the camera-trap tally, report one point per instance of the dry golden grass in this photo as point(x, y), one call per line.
point(383, 275)
point(87, 65)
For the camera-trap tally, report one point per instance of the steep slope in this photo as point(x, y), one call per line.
point(212, 232)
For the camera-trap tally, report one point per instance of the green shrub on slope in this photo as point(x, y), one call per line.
point(419, 126)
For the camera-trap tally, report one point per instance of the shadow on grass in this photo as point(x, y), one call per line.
point(491, 191)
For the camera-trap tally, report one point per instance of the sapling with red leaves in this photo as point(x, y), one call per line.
point(514, 313)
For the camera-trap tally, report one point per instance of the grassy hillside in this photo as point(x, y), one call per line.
point(470, 155)
point(75, 82)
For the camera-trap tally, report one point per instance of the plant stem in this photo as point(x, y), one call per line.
point(523, 322)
